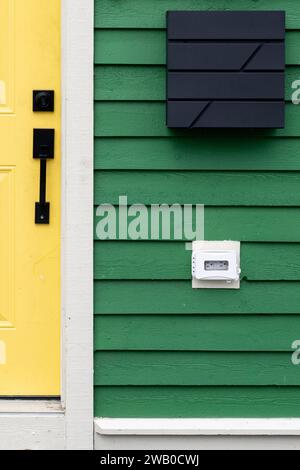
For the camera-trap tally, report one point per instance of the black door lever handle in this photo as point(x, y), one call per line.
point(43, 149)
point(42, 208)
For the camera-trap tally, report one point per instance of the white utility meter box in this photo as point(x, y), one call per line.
point(216, 265)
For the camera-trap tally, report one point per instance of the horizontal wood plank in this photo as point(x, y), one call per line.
point(171, 261)
point(149, 14)
point(208, 188)
point(197, 402)
point(144, 119)
point(186, 368)
point(247, 224)
point(263, 315)
point(192, 153)
point(148, 83)
point(149, 47)
point(195, 332)
point(178, 297)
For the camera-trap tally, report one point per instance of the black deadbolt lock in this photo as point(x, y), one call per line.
point(43, 100)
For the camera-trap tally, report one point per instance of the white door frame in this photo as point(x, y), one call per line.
point(68, 424)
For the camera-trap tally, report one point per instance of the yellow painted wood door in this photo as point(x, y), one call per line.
point(29, 253)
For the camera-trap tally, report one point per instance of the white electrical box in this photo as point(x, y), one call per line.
point(216, 265)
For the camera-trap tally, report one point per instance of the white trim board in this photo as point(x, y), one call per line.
point(197, 434)
point(198, 427)
point(26, 424)
point(35, 431)
point(77, 220)
point(195, 443)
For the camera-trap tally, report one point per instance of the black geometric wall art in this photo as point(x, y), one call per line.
point(226, 69)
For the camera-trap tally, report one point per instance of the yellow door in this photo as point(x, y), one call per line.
point(29, 252)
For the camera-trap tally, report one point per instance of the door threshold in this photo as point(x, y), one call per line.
point(32, 424)
point(30, 405)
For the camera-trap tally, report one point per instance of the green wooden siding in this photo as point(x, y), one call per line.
point(194, 402)
point(195, 333)
point(161, 348)
point(148, 47)
point(147, 83)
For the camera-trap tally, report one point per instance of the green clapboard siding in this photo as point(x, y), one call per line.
point(177, 297)
point(137, 47)
point(163, 368)
point(148, 119)
point(144, 83)
point(152, 13)
point(197, 402)
point(193, 153)
point(247, 224)
point(171, 261)
point(195, 333)
point(163, 349)
point(215, 188)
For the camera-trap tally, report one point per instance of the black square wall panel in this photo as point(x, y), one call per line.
point(226, 69)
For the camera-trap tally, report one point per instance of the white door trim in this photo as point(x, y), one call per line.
point(77, 219)
point(69, 424)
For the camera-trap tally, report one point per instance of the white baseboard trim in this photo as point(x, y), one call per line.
point(198, 427)
point(197, 434)
point(32, 425)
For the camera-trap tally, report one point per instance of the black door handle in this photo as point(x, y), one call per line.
point(43, 149)
point(42, 208)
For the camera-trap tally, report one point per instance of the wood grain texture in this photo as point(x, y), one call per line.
point(194, 402)
point(177, 297)
point(192, 153)
point(152, 330)
point(247, 224)
point(195, 332)
point(149, 14)
point(144, 119)
point(140, 46)
point(148, 83)
point(171, 261)
point(186, 368)
point(208, 188)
